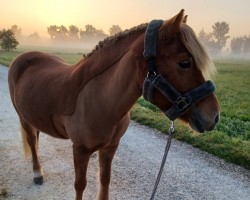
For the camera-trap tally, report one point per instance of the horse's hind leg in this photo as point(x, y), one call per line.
point(30, 143)
point(105, 161)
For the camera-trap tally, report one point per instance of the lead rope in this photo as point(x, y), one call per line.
point(170, 136)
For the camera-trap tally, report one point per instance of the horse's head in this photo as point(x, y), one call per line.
point(181, 89)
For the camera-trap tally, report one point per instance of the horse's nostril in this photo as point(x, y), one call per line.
point(217, 118)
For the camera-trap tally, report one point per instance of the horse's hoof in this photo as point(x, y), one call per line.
point(38, 180)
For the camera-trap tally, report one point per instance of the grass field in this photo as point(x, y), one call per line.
point(230, 140)
point(68, 54)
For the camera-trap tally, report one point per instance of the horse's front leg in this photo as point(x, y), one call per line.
point(81, 159)
point(105, 160)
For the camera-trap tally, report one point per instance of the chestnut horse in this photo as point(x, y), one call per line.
point(89, 102)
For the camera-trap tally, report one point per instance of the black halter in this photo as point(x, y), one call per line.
point(180, 102)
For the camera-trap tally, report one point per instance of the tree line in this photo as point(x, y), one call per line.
point(10, 38)
point(240, 45)
point(214, 41)
point(74, 34)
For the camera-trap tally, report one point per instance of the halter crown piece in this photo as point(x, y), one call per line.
point(180, 102)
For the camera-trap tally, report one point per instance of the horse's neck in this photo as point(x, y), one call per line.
point(123, 89)
point(116, 89)
point(102, 60)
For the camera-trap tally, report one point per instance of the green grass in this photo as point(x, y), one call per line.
point(68, 54)
point(7, 57)
point(233, 91)
point(231, 139)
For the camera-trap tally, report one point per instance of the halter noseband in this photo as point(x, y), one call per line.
point(180, 102)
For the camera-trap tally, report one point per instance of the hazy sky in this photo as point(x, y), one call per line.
point(37, 15)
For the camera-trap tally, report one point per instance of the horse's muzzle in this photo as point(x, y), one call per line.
point(200, 122)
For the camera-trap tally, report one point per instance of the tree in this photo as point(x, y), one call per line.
point(91, 34)
point(17, 31)
point(64, 33)
point(100, 34)
point(114, 30)
point(53, 31)
point(240, 44)
point(207, 40)
point(7, 40)
point(216, 40)
point(220, 31)
point(237, 45)
point(34, 36)
point(58, 33)
point(73, 33)
point(246, 45)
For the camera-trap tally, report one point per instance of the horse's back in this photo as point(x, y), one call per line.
point(31, 60)
point(38, 88)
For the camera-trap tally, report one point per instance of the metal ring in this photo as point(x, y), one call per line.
point(151, 74)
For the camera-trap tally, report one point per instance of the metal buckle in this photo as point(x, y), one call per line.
point(182, 102)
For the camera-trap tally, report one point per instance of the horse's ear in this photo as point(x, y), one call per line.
point(178, 20)
point(185, 19)
point(173, 25)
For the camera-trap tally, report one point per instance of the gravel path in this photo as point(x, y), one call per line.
point(189, 173)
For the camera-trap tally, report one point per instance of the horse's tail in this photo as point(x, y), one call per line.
point(26, 147)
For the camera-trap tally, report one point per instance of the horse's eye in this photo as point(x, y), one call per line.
point(186, 64)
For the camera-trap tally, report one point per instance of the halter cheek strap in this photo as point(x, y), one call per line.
point(150, 40)
point(150, 43)
point(180, 102)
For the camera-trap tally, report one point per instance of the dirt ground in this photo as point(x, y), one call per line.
point(189, 173)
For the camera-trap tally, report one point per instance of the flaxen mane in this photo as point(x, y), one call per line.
point(202, 60)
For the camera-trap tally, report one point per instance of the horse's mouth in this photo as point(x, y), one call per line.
point(201, 125)
point(197, 126)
